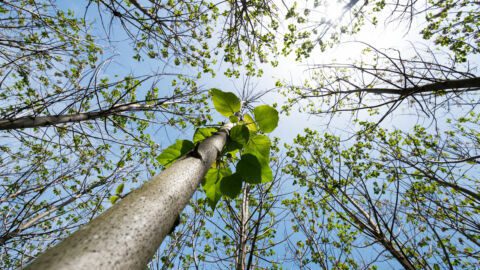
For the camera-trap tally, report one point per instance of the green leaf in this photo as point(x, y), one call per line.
point(253, 171)
point(119, 189)
point(231, 185)
point(259, 145)
point(212, 182)
point(231, 155)
point(250, 169)
point(267, 174)
point(203, 133)
point(250, 123)
point(226, 103)
point(121, 163)
point(174, 152)
point(114, 199)
point(240, 134)
point(266, 117)
point(232, 146)
point(233, 118)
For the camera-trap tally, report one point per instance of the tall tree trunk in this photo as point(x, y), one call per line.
point(242, 245)
point(127, 235)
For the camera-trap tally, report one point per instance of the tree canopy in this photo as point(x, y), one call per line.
point(98, 96)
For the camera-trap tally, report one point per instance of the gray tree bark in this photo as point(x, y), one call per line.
point(460, 85)
point(127, 235)
point(49, 120)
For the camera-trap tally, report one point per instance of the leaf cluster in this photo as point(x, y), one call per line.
point(247, 148)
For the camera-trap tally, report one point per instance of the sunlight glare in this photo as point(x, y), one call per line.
point(334, 10)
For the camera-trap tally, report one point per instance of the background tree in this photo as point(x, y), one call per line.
point(56, 178)
point(405, 197)
point(427, 84)
point(426, 80)
point(402, 196)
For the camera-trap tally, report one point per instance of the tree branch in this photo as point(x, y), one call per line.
point(41, 121)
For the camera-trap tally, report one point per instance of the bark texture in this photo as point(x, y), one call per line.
point(460, 86)
point(41, 121)
point(127, 235)
point(473, 83)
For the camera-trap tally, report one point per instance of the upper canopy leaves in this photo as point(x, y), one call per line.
point(259, 146)
point(250, 168)
point(266, 117)
point(231, 185)
point(240, 134)
point(226, 103)
point(250, 123)
point(245, 145)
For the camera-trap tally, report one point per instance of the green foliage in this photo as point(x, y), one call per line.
point(211, 232)
point(119, 189)
point(118, 194)
point(203, 133)
point(259, 146)
point(246, 144)
point(449, 24)
point(226, 103)
point(212, 184)
point(240, 135)
point(231, 185)
point(250, 123)
point(266, 118)
point(233, 119)
point(250, 169)
point(253, 164)
point(113, 199)
point(174, 152)
point(54, 63)
point(411, 177)
point(454, 26)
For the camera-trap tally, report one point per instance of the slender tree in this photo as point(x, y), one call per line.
point(127, 235)
point(144, 217)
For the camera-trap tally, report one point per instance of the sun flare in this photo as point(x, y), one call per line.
point(334, 10)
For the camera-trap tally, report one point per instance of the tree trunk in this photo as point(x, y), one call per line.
point(127, 235)
point(242, 245)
